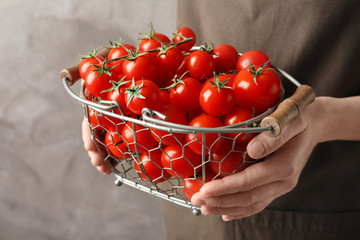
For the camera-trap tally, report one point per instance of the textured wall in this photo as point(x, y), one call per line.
point(48, 188)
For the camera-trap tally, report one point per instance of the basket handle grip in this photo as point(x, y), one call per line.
point(72, 73)
point(288, 110)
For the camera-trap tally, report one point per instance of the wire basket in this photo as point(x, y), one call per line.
point(138, 163)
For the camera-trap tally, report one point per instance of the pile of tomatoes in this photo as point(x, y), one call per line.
point(207, 86)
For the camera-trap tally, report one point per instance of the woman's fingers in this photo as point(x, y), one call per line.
point(89, 146)
point(256, 175)
point(95, 157)
point(86, 136)
point(243, 204)
point(246, 212)
point(263, 145)
point(237, 212)
point(257, 182)
point(245, 199)
point(104, 169)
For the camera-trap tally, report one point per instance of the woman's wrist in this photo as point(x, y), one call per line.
point(336, 118)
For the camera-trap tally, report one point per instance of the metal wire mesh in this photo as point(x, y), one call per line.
point(138, 163)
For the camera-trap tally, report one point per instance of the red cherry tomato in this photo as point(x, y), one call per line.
point(151, 163)
point(144, 140)
point(238, 115)
point(118, 52)
point(254, 57)
point(185, 94)
point(228, 78)
point(212, 141)
point(98, 80)
point(259, 92)
point(193, 185)
point(170, 59)
point(117, 93)
point(152, 42)
point(174, 115)
point(115, 144)
point(163, 78)
point(87, 63)
point(140, 67)
point(225, 57)
point(103, 121)
point(231, 159)
point(142, 94)
point(201, 64)
point(183, 70)
point(180, 161)
point(164, 97)
point(216, 98)
point(193, 114)
point(187, 33)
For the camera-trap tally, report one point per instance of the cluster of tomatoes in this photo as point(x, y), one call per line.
point(207, 86)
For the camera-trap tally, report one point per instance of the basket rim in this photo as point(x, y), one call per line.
point(107, 107)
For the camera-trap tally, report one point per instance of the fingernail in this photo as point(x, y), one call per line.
point(226, 218)
point(256, 149)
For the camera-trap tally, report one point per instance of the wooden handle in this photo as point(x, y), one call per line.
point(72, 73)
point(288, 110)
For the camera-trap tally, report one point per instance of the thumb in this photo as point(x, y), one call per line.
point(263, 145)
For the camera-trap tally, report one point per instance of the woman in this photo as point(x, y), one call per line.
point(308, 186)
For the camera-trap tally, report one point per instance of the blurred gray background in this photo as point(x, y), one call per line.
point(48, 188)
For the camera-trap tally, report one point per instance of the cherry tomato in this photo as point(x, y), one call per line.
point(212, 142)
point(140, 67)
point(97, 80)
point(174, 115)
point(183, 70)
point(225, 57)
point(164, 97)
point(102, 121)
point(151, 162)
point(257, 88)
point(254, 57)
point(216, 98)
point(180, 161)
point(185, 94)
point(238, 115)
point(117, 93)
point(187, 33)
point(152, 42)
point(228, 78)
point(142, 94)
point(163, 78)
point(144, 139)
point(87, 63)
point(201, 64)
point(170, 58)
point(118, 52)
point(230, 159)
point(115, 144)
point(193, 114)
point(193, 185)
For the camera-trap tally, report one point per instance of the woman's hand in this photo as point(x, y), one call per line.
point(96, 159)
point(250, 191)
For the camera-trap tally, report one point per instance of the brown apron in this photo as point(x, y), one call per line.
point(317, 42)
